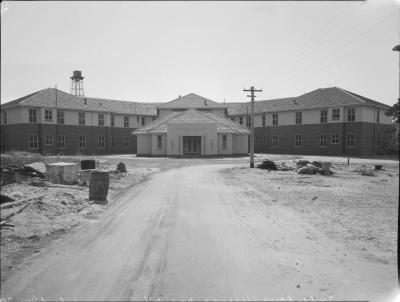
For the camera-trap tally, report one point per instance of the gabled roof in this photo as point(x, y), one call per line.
point(259, 106)
point(125, 106)
point(53, 98)
point(193, 116)
point(191, 101)
point(319, 98)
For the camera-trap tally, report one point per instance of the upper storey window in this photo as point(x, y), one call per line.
point(48, 115)
point(351, 114)
point(60, 117)
point(275, 119)
point(335, 114)
point(299, 118)
point(324, 116)
point(32, 116)
point(101, 119)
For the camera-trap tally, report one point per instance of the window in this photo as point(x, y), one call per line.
point(112, 120)
point(351, 115)
point(112, 141)
point(241, 120)
point(224, 142)
point(5, 117)
point(143, 120)
point(126, 121)
point(274, 141)
point(256, 140)
point(61, 141)
point(159, 142)
point(335, 138)
point(60, 117)
point(48, 140)
point(275, 119)
point(350, 140)
point(378, 113)
point(32, 116)
point(82, 142)
point(138, 120)
point(299, 117)
point(125, 141)
point(101, 141)
point(81, 117)
point(101, 120)
point(324, 116)
point(263, 140)
point(335, 114)
point(299, 141)
point(323, 141)
point(263, 120)
point(48, 115)
point(33, 141)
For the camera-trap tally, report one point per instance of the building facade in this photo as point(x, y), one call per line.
point(329, 121)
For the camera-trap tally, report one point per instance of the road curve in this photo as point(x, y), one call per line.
point(182, 235)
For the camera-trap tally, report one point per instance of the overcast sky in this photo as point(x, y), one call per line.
point(155, 51)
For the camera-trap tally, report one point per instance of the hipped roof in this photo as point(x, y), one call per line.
point(193, 116)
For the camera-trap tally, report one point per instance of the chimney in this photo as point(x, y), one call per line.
point(85, 101)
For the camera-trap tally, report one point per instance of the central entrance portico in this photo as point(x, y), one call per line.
point(192, 133)
point(191, 145)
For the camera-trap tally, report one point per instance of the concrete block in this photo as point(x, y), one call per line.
point(86, 174)
point(62, 173)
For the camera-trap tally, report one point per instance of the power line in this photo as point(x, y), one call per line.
point(326, 39)
point(295, 78)
point(339, 47)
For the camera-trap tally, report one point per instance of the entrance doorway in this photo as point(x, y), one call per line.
point(192, 145)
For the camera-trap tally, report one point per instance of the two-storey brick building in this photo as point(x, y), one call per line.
point(329, 121)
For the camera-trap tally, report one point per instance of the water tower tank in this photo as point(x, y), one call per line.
point(77, 74)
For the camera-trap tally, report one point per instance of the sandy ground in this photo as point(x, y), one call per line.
point(223, 231)
point(52, 210)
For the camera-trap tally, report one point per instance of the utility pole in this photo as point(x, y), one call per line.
point(56, 120)
point(397, 48)
point(252, 96)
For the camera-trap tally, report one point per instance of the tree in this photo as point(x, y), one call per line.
point(394, 111)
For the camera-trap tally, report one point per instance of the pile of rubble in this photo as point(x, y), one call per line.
point(315, 167)
point(302, 167)
point(271, 165)
point(14, 173)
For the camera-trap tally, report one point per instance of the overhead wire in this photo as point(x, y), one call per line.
point(306, 66)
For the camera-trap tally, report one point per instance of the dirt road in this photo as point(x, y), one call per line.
point(186, 234)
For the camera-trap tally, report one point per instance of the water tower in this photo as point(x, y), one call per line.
point(77, 83)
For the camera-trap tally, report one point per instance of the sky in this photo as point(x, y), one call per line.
point(155, 51)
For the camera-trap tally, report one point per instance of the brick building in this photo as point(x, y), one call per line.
point(329, 121)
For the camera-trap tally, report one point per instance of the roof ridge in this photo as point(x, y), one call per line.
point(349, 93)
point(165, 119)
point(225, 124)
point(189, 94)
point(27, 97)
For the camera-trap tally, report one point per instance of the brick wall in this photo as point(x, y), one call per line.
point(364, 138)
point(16, 137)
